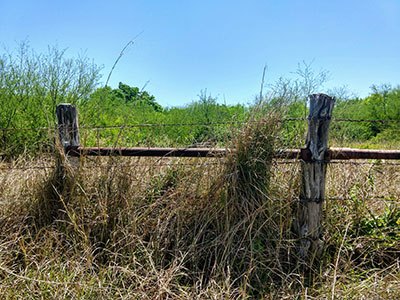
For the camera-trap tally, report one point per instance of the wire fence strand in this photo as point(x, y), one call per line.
point(374, 198)
point(150, 125)
point(202, 161)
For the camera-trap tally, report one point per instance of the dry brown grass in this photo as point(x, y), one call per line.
point(147, 228)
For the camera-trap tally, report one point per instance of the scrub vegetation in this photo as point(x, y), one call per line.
point(187, 228)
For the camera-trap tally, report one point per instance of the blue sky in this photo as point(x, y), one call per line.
point(188, 46)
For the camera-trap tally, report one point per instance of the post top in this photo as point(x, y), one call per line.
point(320, 94)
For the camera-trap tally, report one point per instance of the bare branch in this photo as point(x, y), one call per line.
point(131, 42)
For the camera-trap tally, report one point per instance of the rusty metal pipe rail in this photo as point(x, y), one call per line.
point(332, 154)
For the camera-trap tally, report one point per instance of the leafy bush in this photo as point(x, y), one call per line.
point(384, 227)
point(144, 122)
point(31, 86)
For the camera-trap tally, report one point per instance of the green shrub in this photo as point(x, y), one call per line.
point(31, 86)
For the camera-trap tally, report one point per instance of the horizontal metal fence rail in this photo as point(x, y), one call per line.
point(303, 154)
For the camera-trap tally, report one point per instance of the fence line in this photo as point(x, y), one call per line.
point(375, 199)
point(28, 168)
point(313, 159)
point(360, 163)
point(3, 129)
point(365, 120)
point(303, 154)
point(149, 125)
point(202, 162)
point(199, 163)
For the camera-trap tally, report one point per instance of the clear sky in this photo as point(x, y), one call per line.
point(218, 45)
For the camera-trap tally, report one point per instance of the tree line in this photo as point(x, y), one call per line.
point(32, 84)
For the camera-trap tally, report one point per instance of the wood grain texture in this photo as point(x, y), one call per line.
point(68, 129)
point(312, 193)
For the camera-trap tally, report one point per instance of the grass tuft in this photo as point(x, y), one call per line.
point(192, 227)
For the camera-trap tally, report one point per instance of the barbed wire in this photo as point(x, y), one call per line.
point(107, 166)
point(27, 167)
point(365, 120)
point(92, 164)
point(360, 163)
point(4, 129)
point(127, 126)
point(150, 125)
point(342, 162)
point(144, 125)
point(275, 161)
point(286, 162)
point(374, 198)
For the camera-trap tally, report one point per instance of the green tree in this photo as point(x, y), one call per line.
point(31, 85)
point(134, 95)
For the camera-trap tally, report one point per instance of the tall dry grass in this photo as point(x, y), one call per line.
point(162, 228)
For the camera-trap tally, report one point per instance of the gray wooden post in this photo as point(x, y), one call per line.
point(67, 118)
point(312, 194)
point(68, 130)
point(68, 139)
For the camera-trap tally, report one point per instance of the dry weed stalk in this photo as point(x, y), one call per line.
point(188, 228)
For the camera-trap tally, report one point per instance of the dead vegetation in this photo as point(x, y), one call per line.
point(165, 228)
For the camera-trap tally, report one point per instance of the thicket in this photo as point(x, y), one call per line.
point(382, 105)
point(141, 121)
point(32, 84)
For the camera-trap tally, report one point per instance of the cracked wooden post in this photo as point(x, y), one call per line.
point(312, 193)
point(68, 130)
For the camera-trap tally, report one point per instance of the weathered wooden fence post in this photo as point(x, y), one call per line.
point(313, 166)
point(68, 130)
